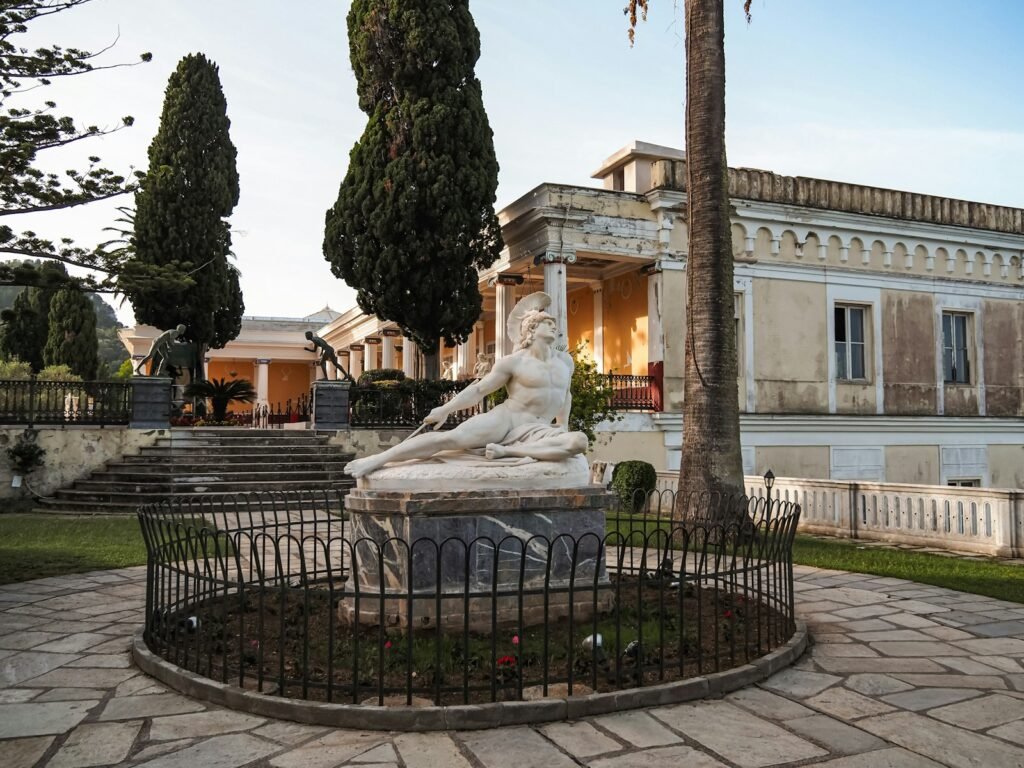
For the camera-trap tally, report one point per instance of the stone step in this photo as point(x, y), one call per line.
point(211, 474)
point(160, 469)
point(228, 450)
point(277, 440)
point(265, 460)
point(203, 484)
point(75, 507)
point(147, 495)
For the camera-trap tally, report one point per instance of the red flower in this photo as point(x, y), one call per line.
point(727, 614)
point(387, 645)
point(507, 661)
point(515, 639)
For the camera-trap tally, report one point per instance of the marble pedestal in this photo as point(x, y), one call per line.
point(420, 554)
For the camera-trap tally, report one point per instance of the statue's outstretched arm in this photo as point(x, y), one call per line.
point(475, 392)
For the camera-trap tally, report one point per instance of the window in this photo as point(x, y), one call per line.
point(965, 483)
point(849, 342)
point(956, 361)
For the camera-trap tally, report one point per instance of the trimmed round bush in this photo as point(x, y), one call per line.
point(632, 481)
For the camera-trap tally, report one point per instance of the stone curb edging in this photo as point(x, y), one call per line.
point(471, 716)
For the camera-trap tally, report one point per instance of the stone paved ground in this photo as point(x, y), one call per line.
point(900, 676)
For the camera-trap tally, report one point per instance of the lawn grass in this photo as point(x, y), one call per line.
point(979, 577)
point(36, 546)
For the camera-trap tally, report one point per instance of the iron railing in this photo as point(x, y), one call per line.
point(270, 592)
point(633, 393)
point(33, 402)
point(405, 407)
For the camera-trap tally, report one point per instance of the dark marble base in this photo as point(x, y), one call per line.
point(482, 552)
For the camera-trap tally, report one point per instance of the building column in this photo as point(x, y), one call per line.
point(464, 358)
point(387, 352)
point(598, 289)
point(666, 292)
point(355, 360)
point(371, 357)
point(505, 295)
point(262, 380)
point(409, 355)
point(555, 286)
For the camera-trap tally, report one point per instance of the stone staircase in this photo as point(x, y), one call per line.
point(209, 462)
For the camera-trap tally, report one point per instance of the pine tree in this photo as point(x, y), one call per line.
point(182, 208)
point(72, 336)
point(414, 219)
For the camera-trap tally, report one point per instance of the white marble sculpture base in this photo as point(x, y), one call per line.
point(460, 474)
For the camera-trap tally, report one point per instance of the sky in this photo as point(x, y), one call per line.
point(903, 94)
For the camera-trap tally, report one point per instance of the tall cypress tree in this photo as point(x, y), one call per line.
point(414, 219)
point(72, 336)
point(182, 208)
point(27, 322)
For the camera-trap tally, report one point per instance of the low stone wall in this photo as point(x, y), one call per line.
point(71, 454)
point(366, 442)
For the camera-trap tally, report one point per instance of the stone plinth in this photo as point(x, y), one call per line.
point(330, 404)
point(151, 402)
point(477, 550)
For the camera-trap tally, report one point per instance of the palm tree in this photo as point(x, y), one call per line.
point(712, 464)
point(220, 392)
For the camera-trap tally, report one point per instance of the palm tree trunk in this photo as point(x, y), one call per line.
point(711, 462)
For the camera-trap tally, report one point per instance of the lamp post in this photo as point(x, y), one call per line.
point(769, 481)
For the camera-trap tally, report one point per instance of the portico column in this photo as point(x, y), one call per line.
point(464, 359)
point(409, 353)
point(598, 290)
point(505, 295)
point(555, 286)
point(387, 352)
point(370, 357)
point(655, 331)
point(262, 380)
point(355, 358)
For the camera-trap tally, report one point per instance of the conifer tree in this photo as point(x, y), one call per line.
point(414, 219)
point(72, 335)
point(26, 323)
point(181, 211)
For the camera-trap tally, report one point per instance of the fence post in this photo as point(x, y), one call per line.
point(853, 510)
point(330, 404)
point(151, 402)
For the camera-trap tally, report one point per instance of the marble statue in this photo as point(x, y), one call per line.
point(448, 370)
point(484, 363)
point(160, 350)
point(326, 354)
point(530, 426)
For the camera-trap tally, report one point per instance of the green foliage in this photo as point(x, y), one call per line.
point(126, 371)
point(381, 374)
point(71, 340)
point(221, 392)
point(15, 369)
point(591, 396)
point(58, 373)
point(25, 132)
point(632, 481)
point(414, 219)
point(27, 322)
point(25, 456)
point(180, 222)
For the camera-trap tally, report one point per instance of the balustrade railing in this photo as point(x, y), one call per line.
point(33, 402)
point(633, 393)
point(986, 521)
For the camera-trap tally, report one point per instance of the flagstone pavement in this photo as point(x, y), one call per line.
point(900, 675)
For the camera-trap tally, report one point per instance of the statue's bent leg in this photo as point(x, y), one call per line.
point(555, 448)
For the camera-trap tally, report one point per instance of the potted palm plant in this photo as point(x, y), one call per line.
point(222, 392)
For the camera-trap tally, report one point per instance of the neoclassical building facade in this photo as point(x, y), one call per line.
point(880, 333)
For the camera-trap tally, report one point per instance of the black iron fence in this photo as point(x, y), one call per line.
point(407, 404)
point(34, 402)
point(276, 415)
point(633, 393)
point(273, 593)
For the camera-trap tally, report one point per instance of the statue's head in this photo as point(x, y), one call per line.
point(526, 316)
point(180, 329)
point(309, 335)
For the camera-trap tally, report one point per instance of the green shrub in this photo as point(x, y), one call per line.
point(58, 373)
point(15, 369)
point(381, 374)
point(632, 481)
point(25, 455)
point(591, 396)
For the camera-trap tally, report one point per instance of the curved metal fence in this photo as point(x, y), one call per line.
point(271, 592)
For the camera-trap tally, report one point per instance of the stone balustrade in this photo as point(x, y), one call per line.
point(985, 521)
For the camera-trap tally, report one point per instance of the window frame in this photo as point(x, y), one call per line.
point(843, 372)
point(950, 351)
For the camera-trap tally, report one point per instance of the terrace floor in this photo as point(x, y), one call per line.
point(900, 675)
